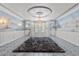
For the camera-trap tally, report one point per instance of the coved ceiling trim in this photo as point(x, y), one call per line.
point(23, 17)
point(66, 11)
point(12, 11)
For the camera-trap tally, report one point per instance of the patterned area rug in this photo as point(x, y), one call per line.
point(39, 44)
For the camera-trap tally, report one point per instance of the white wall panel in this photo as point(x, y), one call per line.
point(72, 37)
point(8, 36)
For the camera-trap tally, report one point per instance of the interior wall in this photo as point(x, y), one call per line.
point(69, 32)
point(8, 36)
point(72, 37)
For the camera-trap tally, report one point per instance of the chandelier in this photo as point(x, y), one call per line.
point(39, 12)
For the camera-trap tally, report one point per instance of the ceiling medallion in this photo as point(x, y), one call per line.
point(39, 11)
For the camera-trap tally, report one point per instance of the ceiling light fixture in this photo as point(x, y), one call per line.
point(39, 11)
point(4, 22)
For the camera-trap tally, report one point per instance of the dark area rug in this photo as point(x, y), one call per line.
point(39, 44)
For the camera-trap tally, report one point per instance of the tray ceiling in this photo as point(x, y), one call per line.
point(21, 9)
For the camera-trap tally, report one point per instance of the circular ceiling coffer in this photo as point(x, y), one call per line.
point(41, 11)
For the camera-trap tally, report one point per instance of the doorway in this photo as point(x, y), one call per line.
point(40, 28)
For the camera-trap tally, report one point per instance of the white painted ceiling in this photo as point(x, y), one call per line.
point(21, 9)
